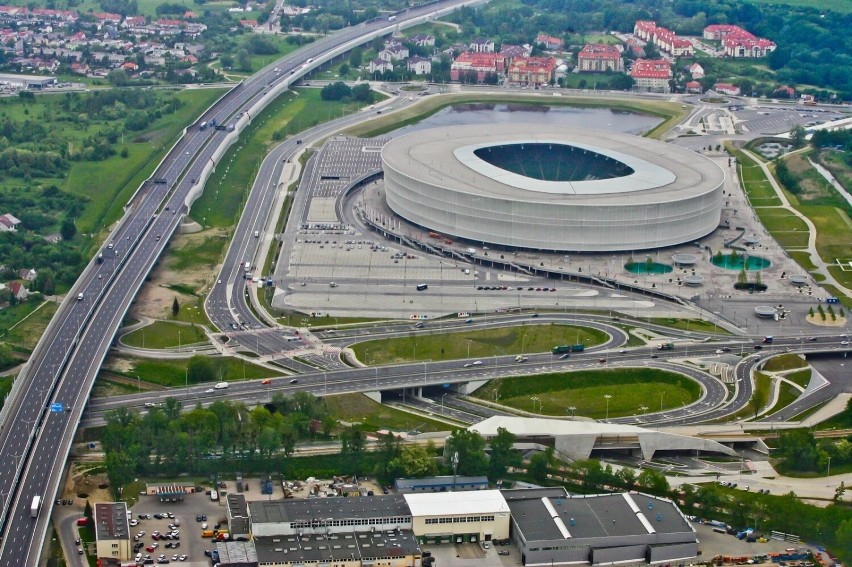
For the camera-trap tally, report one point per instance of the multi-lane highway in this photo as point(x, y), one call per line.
point(35, 439)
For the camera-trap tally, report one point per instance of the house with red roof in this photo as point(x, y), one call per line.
point(532, 70)
point(644, 29)
point(652, 75)
point(18, 291)
point(599, 58)
point(550, 43)
point(477, 66)
point(693, 87)
point(726, 89)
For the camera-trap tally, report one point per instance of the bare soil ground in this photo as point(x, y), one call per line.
point(80, 482)
point(155, 298)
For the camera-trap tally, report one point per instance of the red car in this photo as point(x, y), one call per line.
point(150, 549)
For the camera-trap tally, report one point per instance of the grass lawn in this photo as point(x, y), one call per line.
point(762, 383)
point(777, 219)
point(172, 373)
point(698, 325)
point(480, 343)
point(670, 113)
point(165, 334)
point(374, 416)
point(784, 362)
point(207, 251)
point(800, 377)
point(225, 191)
point(629, 388)
point(833, 161)
point(834, 233)
point(757, 187)
point(803, 259)
point(109, 184)
point(29, 320)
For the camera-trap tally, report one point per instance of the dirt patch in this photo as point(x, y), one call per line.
point(156, 297)
point(817, 320)
point(117, 364)
point(80, 481)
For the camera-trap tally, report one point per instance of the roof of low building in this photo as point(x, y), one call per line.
point(335, 547)
point(313, 508)
point(456, 503)
point(111, 521)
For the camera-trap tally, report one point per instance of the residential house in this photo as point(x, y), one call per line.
point(420, 65)
point(599, 58)
point(532, 70)
point(512, 51)
point(693, 87)
point(784, 92)
point(738, 42)
point(717, 32)
point(652, 75)
point(696, 70)
point(726, 89)
point(250, 24)
point(28, 274)
point(644, 30)
point(394, 53)
point(635, 48)
point(18, 291)
point(550, 43)
point(480, 45)
point(479, 64)
point(380, 66)
point(9, 222)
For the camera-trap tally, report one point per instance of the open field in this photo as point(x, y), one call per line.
point(29, 321)
point(165, 334)
point(778, 219)
point(670, 113)
point(784, 362)
point(630, 389)
point(475, 344)
point(358, 408)
point(758, 189)
point(172, 373)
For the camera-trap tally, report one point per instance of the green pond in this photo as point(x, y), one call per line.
point(739, 262)
point(648, 268)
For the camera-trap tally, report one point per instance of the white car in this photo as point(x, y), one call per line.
point(477, 363)
point(720, 351)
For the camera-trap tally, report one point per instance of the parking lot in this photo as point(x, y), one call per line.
point(189, 542)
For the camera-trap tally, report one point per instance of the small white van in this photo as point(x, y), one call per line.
point(221, 385)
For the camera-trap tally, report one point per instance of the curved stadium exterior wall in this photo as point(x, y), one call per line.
point(435, 179)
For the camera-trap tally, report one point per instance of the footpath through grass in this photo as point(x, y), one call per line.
point(629, 389)
point(475, 344)
point(165, 334)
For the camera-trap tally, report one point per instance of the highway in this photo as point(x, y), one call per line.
point(34, 441)
point(713, 404)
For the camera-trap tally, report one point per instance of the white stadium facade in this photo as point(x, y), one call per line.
point(552, 188)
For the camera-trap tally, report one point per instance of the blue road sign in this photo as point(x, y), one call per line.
point(56, 407)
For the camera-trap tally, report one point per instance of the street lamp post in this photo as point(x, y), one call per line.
point(442, 403)
point(607, 397)
point(828, 472)
point(663, 393)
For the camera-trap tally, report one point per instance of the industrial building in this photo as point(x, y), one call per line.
point(23, 82)
point(552, 528)
point(552, 188)
point(579, 439)
point(112, 532)
point(440, 484)
point(458, 517)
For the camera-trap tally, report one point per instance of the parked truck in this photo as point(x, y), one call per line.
point(666, 346)
point(35, 506)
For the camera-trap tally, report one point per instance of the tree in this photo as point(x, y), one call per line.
point(201, 369)
point(243, 59)
point(759, 399)
point(502, 454)
point(540, 465)
point(87, 512)
point(798, 136)
point(415, 461)
point(175, 307)
point(352, 441)
point(654, 481)
point(337, 91)
point(798, 450)
point(470, 446)
point(68, 229)
point(839, 491)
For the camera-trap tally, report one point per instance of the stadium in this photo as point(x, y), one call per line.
point(554, 189)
